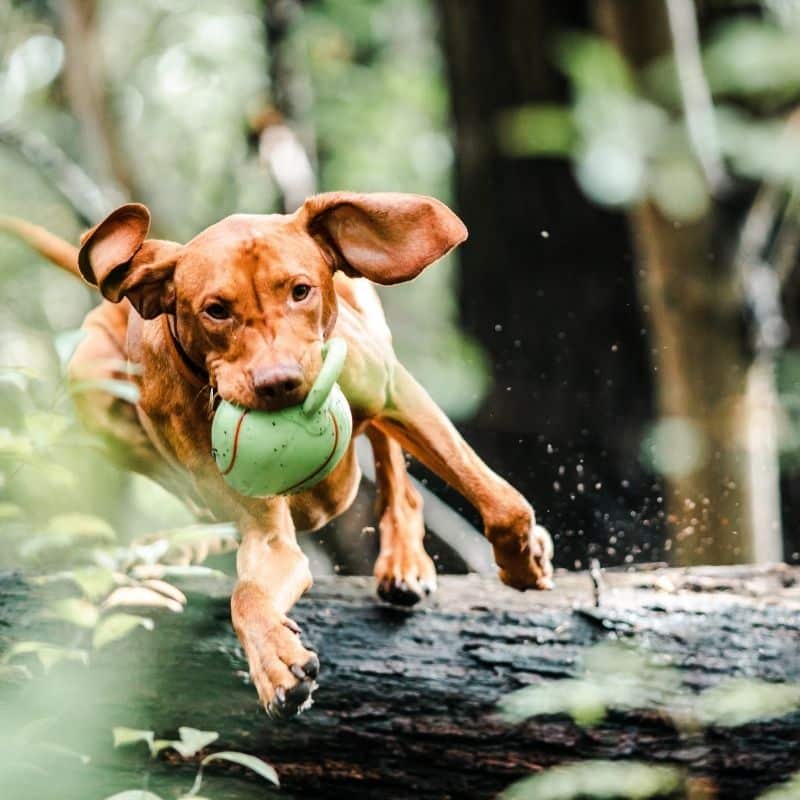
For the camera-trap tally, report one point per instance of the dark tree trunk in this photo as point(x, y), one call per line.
point(547, 286)
point(407, 703)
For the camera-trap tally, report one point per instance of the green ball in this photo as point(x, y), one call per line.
point(268, 453)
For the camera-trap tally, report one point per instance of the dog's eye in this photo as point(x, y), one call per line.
point(217, 311)
point(300, 292)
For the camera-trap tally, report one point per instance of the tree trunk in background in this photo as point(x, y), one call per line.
point(84, 87)
point(696, 307)
point(542, 258)
point(702, 363)
point(547, 287)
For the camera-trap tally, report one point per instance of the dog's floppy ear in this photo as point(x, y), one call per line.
point(116, 257)
point(386, 237)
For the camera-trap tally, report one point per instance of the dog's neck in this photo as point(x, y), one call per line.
point(189, 369)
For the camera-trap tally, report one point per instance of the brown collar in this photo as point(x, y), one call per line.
point(190, 370)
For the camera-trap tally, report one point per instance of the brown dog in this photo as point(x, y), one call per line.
point(241, 311)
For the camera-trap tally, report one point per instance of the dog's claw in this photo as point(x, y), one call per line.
point(292, 625)
point(398, 593)
point(311, 667)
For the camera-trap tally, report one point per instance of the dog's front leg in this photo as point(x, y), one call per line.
point(522, 549)
point(272, 574)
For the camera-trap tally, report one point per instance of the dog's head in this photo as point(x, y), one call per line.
point(253, 295)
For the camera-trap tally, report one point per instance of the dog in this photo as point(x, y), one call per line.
point(241, 312)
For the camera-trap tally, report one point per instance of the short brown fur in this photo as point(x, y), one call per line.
point(160, 312)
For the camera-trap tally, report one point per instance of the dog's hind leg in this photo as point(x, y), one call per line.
point(404, 571)
point(113, 420)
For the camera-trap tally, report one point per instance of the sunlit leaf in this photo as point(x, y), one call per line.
point(66, 343)
point(616, 677)
point(81, 525)
point(134, 794)
point(784, 791)
point(19, 377)
point(124, 736)
point(251, 762)
point(45, 428)
point(14, 445)
point(66, 530)
point(125, 390)
point(177, 571)
point(748, 56)
point(10, 511)
point(117, 626)
point(537, 131)
point(600, 779)
point(94, 582)
point(593, 64)
point(742, 700)
point(191, 534)
point(75, 610)
point(193, 740)
point(141, 596)
point(166, 589)
point(48, 654)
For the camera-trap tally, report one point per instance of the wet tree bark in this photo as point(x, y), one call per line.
point(407, 702)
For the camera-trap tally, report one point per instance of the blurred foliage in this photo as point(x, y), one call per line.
point(183, 83)
point(618, 677)
point(628, 137)
point(604, 779)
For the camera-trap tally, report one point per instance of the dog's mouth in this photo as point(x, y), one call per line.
point(254, 403)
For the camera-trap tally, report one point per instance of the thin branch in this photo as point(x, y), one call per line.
point(698, 104)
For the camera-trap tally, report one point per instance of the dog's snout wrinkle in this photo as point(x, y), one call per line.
point(278, 382)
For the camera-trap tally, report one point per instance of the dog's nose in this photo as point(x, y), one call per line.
point(278, 382)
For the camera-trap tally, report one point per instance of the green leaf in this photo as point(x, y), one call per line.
point(251, 762)
point(134, 794)
point(10, 511)
point(124, 736)
point(784, 791)
point(739, 701)
point(66, 343)
point(193, 740)
point(144, 571)
point(539, 130)
point(125, 390)
point(13, 445)
point(593, 64)
point(19, 377)
point(75, 610)
point(599, 779)
point(67, 530)
point(81, 525)
point(94, 582)
point(45, 427)
point(48, 654)
point(117, 626)
point(191, 534)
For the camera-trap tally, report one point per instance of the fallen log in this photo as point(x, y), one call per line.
point(407, 701)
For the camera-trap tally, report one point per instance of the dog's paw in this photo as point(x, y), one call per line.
point(283, 671)
point(405, 576)
point(526, 561)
